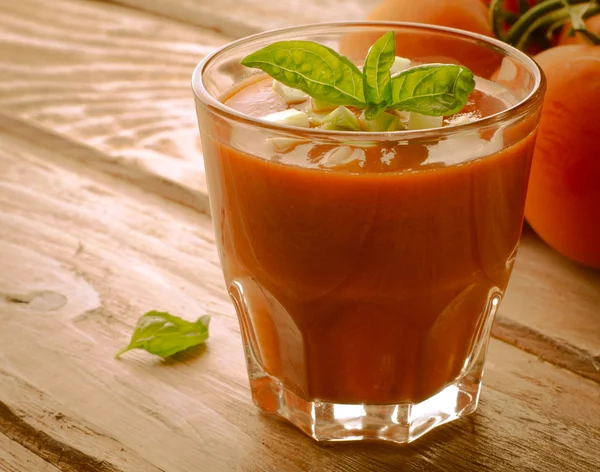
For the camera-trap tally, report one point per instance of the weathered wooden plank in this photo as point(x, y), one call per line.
point(111, 77)
point(74, 152)
point(50, 450)
point(239, 18)
point(15, 458)
point(83, 254)
point(556, 297)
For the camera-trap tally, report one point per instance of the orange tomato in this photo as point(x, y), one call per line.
point(563, 203)
point(469, 15)
point(593, 26)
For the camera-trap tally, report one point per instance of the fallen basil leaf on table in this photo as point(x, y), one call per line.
point(163, 334)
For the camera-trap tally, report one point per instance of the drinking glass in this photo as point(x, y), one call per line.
point(366, 268)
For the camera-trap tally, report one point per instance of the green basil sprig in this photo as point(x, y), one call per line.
point(325, 75)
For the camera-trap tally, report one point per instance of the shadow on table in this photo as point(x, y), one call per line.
point(189, 355)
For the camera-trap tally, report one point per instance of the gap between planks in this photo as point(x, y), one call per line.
point(16, 458)
point(56, 453)
point(554, 351)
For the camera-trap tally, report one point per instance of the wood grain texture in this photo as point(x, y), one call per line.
point(555, 351)
point(555, 296)
point(239, 18)
point(113, 78)
point(74, 153)
point(15, 458)
point(84, 254)
point(51, 451)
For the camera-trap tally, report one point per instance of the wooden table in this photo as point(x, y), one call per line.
point(103, 216)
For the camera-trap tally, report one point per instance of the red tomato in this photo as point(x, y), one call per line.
point(563, 203)
point(469, 15)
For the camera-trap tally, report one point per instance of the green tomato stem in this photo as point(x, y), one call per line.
point(497, 17)
point(591, 37)
point(547, 15)
point(579, 15)
point(544, 21)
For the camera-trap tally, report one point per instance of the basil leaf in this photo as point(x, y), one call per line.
point(376, 70)
point(164, 334)
point(432, 89)
point(313, 68)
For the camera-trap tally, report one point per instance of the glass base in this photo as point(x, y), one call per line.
point(400, 423)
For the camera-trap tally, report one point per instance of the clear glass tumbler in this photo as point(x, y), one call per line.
point(366, 268)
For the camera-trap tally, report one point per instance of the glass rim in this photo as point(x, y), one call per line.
point(519, 108)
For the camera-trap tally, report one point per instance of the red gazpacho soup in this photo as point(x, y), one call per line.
point(366, 273)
